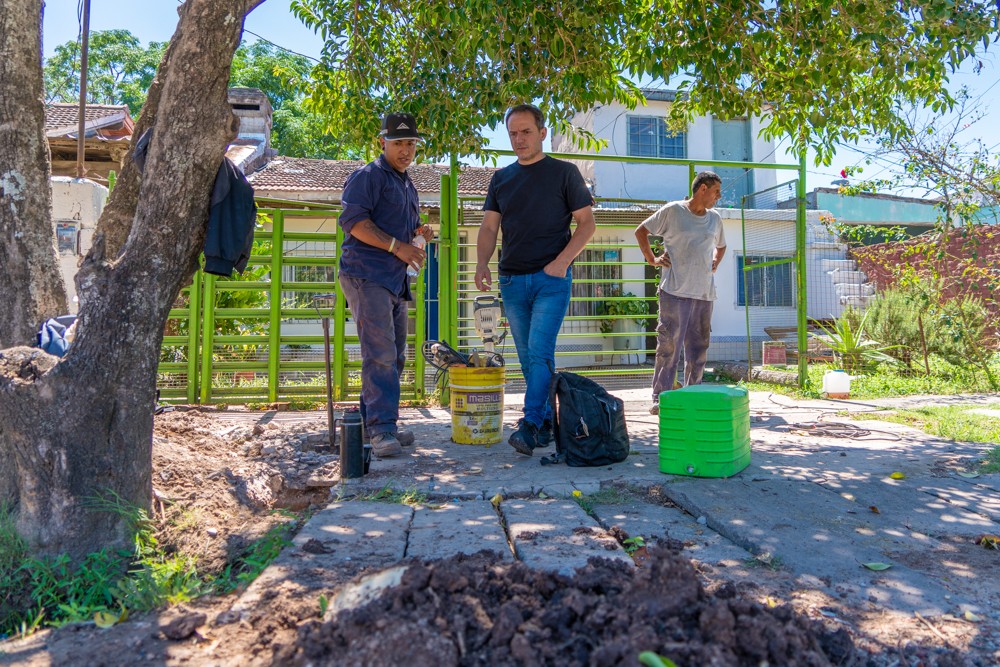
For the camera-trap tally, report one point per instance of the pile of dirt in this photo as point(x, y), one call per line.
point(217, 484)
point(472, 610)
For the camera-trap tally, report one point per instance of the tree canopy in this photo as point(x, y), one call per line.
point(121, 70)
point(828, 70)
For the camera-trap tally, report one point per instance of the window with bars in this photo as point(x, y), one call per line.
point(594, 272)
point(768, 286)
point(306, 273)
point(649, 136)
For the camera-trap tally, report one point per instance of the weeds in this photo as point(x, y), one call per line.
point(766, 560)
point(106, 586)
point(387, 494)
point(609, 495)
point(258, 556)
point(633, 544)
point(650, 659)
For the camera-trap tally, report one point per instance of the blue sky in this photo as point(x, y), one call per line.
point(155, 20)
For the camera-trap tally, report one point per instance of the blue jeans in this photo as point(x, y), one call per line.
point(535, 305)
point(381, 317)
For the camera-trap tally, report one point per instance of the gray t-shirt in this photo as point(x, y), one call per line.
point(690, 241)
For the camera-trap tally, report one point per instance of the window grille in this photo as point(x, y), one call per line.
point(649, 136)
point(769, 286)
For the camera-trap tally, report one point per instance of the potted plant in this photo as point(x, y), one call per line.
point(623, 313)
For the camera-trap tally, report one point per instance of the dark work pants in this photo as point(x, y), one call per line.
point(686, 322)
point(381, 317)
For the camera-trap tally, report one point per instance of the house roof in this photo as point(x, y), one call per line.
point(308, 175)
point(660, 94)
point(111, 121)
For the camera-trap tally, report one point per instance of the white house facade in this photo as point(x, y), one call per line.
point(643, 132)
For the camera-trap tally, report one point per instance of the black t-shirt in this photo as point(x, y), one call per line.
point(536, 204)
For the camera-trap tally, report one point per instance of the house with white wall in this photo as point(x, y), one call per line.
point(643, 132)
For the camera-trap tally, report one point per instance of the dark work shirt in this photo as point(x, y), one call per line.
point(536, 204)
point(379, 193)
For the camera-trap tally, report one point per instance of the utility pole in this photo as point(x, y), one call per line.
point(81, 131)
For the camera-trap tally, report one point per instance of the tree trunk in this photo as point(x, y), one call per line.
point(739, 371)
point(81, 431)
point(30, 280)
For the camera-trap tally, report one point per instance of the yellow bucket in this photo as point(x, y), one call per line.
point(476, 405)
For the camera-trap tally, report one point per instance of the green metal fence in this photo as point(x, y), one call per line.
point(610, 328)
point(258, 338)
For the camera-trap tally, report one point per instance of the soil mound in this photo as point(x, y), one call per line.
point(472, 610)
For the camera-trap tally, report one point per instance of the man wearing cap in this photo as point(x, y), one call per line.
point(380, 217)
point(534, 201)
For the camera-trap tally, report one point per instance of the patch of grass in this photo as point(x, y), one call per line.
point(992, 461)
point(885, 380)
point(387, 494)
point(260, 554)
point(765, 560)
point(107, 585)
point(956, 422)
point(609, 495)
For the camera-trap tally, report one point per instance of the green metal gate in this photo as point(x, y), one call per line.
point(257, 338)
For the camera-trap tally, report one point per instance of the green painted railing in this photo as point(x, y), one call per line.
point(250, 341)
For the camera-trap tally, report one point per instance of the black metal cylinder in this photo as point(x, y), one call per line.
point(352, 457)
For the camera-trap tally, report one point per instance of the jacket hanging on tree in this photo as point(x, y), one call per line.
point(232, 214)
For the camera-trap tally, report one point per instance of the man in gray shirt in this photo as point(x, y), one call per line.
point(693, 246)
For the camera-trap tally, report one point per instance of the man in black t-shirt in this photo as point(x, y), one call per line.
point(533, 201)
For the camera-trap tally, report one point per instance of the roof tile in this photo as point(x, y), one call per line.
point(304, 174)
point(61, 115)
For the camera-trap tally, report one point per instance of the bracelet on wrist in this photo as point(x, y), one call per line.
point(392, 246)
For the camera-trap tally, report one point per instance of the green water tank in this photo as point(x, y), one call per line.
point(705, 430)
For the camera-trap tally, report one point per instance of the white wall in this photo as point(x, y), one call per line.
point(647, 181)
point(76, 207)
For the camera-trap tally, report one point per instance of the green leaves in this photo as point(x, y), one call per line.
point(120, 70)
point(828, 70)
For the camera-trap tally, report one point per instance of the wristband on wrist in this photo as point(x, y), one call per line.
point(392, 246)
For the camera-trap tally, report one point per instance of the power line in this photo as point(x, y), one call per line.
point(278, 46)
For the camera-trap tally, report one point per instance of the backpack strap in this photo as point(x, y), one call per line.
point(553, 391)
point(553, 402)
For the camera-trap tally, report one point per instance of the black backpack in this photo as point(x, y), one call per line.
point(588, 423)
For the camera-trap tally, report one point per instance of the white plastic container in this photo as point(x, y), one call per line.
point(418, 241)
point(837, 384)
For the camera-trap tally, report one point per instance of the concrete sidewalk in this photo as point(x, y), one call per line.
point(816, 504)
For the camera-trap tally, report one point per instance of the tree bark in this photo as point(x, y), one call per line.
point(31, 284)
point(740, 371)
point(81, 430)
